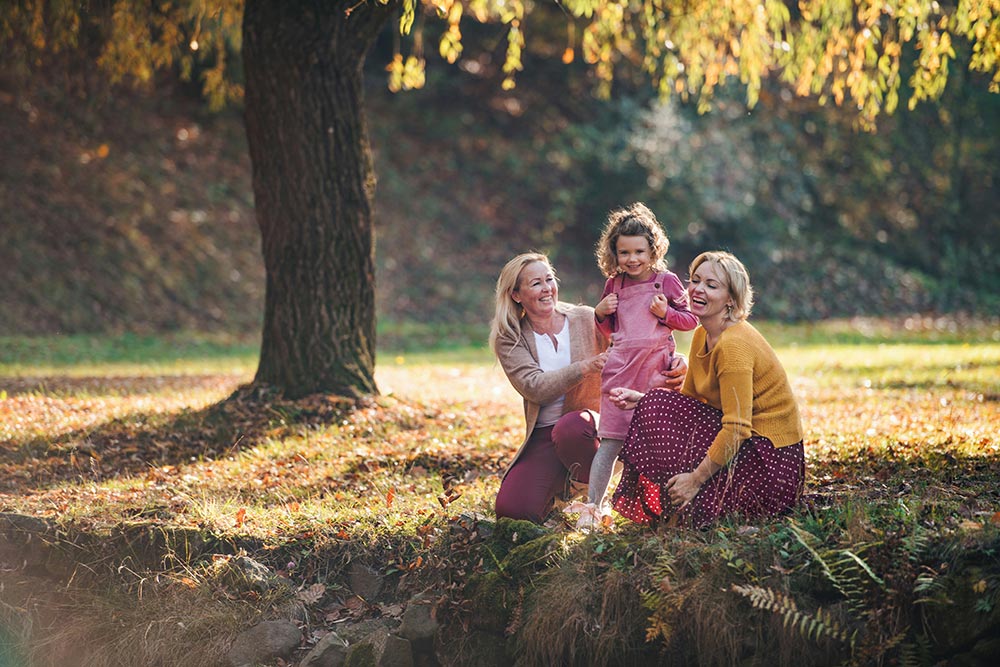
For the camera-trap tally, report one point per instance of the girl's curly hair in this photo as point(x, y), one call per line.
point(634, 220)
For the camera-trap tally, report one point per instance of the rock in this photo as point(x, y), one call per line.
point(986, 651)
point(264, 642)
point(330, 651)
point(380, 649)
point(242, 573)
point(354, 633)
point(364, 581)
point(419, 623)
point(293, 610)
point(478, 523)
point(397, 652)
point(24, 542)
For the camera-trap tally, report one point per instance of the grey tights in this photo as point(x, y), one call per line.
point(602, 469)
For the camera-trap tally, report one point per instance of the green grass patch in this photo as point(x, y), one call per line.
point(150, 480)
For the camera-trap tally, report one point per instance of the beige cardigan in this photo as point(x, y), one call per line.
point(519, 360)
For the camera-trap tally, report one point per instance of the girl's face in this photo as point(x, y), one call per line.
point(634, 257)
point(708, 291)
point(537, 290)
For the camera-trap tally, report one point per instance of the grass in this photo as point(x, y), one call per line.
point(107, 439)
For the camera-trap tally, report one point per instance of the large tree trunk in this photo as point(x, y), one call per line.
point(313, 183)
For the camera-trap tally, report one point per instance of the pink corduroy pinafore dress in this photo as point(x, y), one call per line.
point(641, 347)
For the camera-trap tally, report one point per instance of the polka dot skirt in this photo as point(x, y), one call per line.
point(671, 434)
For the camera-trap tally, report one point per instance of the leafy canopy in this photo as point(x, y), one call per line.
point(845, 50)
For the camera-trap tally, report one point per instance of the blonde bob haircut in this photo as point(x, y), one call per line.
point(737, 281)
point(507, 317)
point(634, 220)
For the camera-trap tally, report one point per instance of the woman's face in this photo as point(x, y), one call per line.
point(708, 291)
point(536, 290)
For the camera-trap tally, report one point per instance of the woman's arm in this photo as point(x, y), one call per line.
point(536, 385)
point(736, 391)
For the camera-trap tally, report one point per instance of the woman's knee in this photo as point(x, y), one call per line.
point(574, 438)
point(513, 505)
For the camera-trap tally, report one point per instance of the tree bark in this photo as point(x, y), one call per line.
point(313, 183)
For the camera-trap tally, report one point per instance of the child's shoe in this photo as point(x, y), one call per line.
point(591, 517)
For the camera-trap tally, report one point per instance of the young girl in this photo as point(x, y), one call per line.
point(642, 304)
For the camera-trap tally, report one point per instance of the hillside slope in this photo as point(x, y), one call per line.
point(134, 211)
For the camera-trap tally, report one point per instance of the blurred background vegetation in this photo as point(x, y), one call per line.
point(131, 210)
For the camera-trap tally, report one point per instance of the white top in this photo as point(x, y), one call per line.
point(552, 358)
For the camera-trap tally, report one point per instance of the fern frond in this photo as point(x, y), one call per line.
point(810, 626)
point(846, 570)
point(917, 654)
point(916, 543)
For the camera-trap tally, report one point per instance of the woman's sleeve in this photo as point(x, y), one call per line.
point(736, 389)
point(527, 377)
point(679, 316)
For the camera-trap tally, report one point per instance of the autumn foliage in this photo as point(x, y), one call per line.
point(902, 445)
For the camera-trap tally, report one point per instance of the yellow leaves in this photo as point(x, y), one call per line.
point(581, 8)
point(406, 19)
point(451, 41)
point(590, 47)
point(835, 49)
point(450, 47)
point(406, 74)
point(512, 63)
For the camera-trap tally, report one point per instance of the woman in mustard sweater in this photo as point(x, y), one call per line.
point(731, 440)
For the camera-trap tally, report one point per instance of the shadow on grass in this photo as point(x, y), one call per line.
point(138, 441)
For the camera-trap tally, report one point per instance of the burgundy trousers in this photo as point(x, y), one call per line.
point(553, 457)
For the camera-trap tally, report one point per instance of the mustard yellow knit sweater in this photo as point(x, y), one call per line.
point(743, 378)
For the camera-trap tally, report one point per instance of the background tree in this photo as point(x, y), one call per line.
point(312, 172)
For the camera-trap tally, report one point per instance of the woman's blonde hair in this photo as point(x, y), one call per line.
point(737, 281)
point(507, 317)
point(634, 220)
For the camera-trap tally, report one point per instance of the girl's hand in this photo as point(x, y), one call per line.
point(659, 306)
point(607, 306)
point(624, 398)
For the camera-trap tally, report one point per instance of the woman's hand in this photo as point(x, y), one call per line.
point(595, 364)
point(607, 306)
point(682, 488)
point(624, 398)
point(674, 376)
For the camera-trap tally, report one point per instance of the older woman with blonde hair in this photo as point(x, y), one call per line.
point(731, 441)
point(552, 353)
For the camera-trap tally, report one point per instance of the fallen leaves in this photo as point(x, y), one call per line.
point(311, 594)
